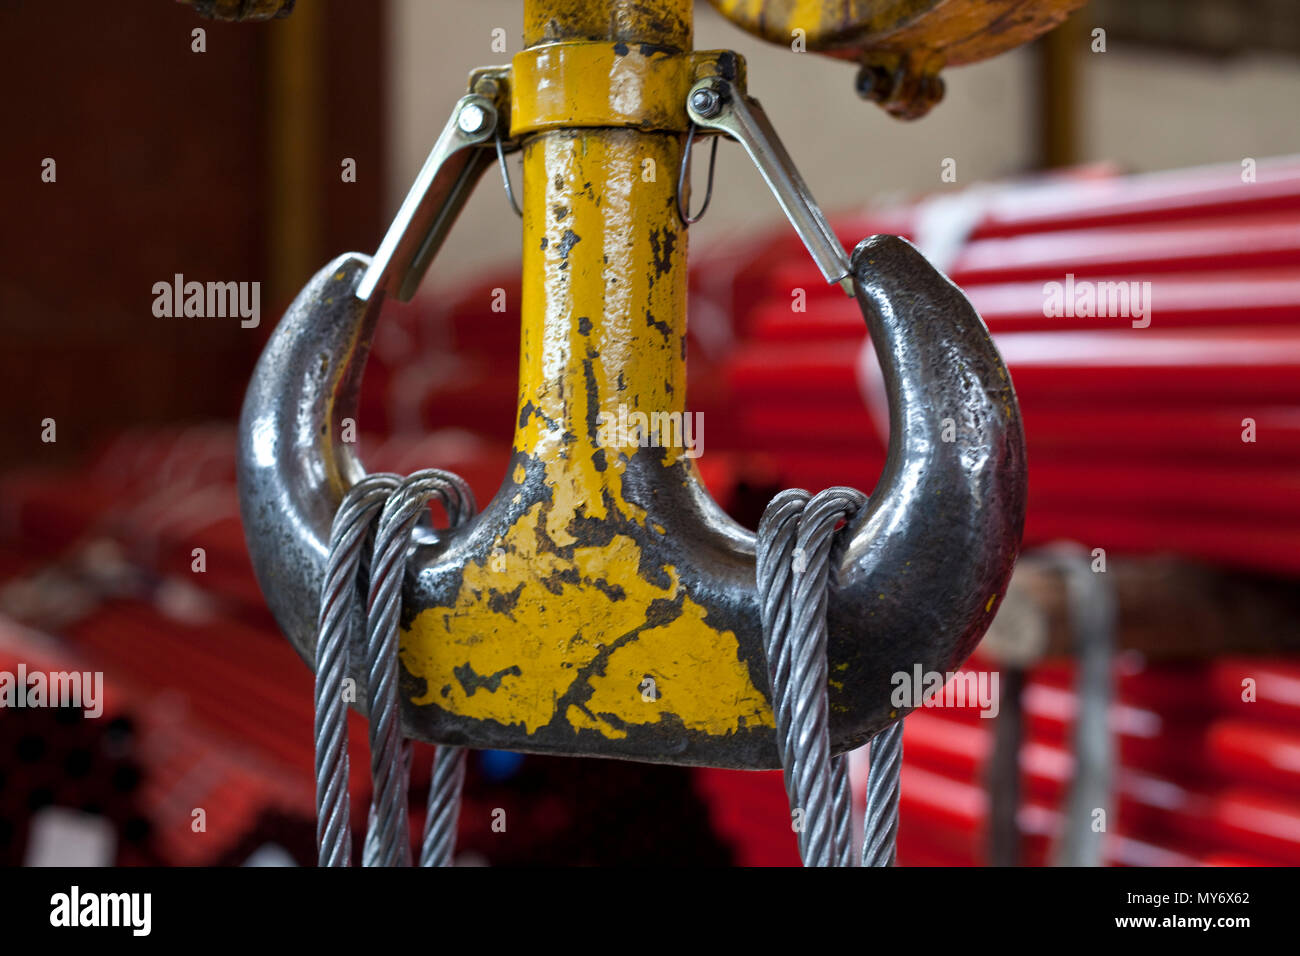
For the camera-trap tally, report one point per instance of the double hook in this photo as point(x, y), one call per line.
point(542, 632)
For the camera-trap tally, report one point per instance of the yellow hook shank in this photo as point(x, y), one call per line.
point(575, 617)
point(562, 600)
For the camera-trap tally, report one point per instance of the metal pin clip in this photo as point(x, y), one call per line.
point(715, 104)
point(434, 201)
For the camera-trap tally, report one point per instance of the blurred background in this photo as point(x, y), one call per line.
point(1151, 667)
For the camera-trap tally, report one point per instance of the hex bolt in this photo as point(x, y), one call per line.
point(706, 102)
point(472, 118)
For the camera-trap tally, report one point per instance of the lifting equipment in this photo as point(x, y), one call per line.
point(600, 569)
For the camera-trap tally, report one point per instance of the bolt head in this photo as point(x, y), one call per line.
point(706, 102)
point(472, 119)
point(875, 83)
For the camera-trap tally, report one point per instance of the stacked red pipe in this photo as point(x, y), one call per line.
point(1173, 431)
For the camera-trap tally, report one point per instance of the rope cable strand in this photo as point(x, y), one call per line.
point(352, 524)
point(400, 505)
point(880, 827)
point(444, 806)
point(796, 543)
point(776, 541)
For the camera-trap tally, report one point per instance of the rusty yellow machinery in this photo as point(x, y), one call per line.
point(602, 565)
point(900, 45)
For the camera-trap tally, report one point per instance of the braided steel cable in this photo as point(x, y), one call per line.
point(398, 505)
point(388, 840)
point(880, 827)
point(842, 810)
point(795, 547)
point(804, 774)
point(795, 541)
point(776, 543)
point(339, 598)
point(445, 788)
point(833, 820)
point(372, 852)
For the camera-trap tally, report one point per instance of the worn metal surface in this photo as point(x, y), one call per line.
point(905, 85)
point(667, 24)
point(596, 567)
point(602, 603)
point(900, 45)
point(593, 84)
point(566, 85)
point(960, 31)
point(930, 557)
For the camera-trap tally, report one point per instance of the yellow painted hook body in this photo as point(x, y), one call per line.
point(603, 341)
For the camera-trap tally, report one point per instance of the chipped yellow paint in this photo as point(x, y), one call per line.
point(664, 22)
point(556, 627)
point(701, 682)
point(567, 85)
point(534, 646)
point(600, 84)
point(988, 607)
